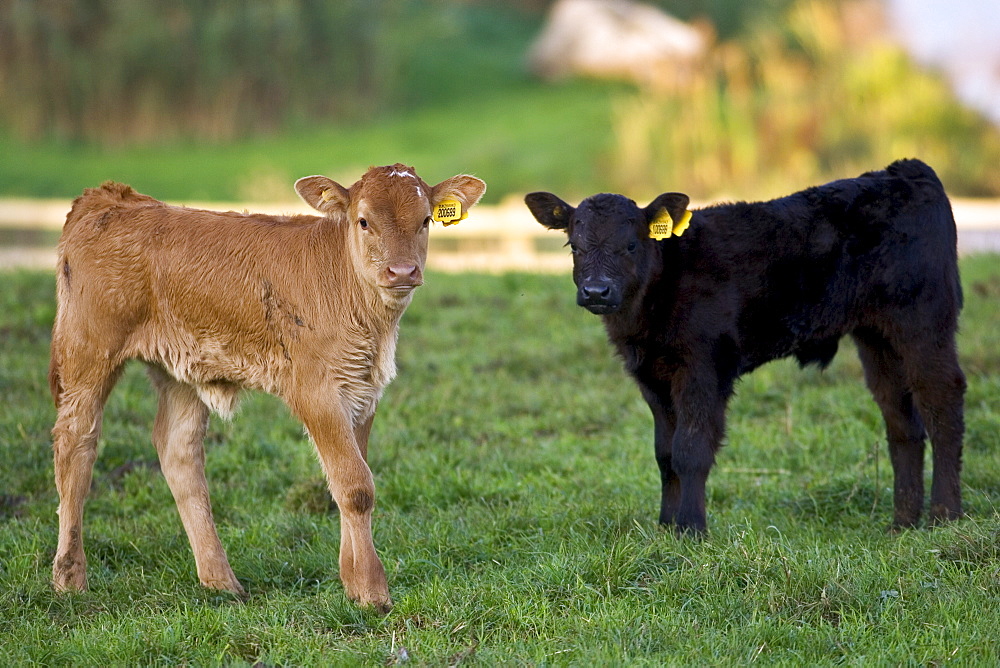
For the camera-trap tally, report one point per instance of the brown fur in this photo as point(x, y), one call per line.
point(304, 307)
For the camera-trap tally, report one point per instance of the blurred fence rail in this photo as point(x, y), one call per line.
point(497, 238)
point(494, 239)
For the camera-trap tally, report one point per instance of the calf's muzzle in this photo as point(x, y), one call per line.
point(598, 296)
point(402, 275)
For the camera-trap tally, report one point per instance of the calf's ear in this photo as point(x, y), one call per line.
point(463, 189)
point(323, 194)
point(549, 210)
point(668, 215)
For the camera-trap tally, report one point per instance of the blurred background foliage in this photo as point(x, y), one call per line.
point(816, 95)
point(235, 99)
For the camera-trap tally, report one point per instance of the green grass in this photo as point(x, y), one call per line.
point(516, 513)
point(525, 148)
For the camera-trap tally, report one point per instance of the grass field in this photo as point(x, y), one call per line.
point(516, 514)
point(525, 148)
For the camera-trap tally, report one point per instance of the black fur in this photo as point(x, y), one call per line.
point(873, 257)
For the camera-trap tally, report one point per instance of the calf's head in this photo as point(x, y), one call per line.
point(615, 243)
point(388, 213)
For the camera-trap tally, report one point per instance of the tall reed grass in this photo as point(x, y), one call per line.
point(145, 70)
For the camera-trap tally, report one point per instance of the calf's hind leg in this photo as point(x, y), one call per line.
point(885, 377)
point(179, 434)
point(939, 390)
point(80, 401)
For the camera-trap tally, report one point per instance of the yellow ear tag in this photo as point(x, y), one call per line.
point(325, 196)
point(682, 224)
point(664, 226)
point(449, 212)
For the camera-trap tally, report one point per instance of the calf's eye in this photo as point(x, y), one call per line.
point(363, 223)
point(427, 222)
point(631, 246)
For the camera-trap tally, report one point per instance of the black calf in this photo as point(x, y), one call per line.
point(873, 257)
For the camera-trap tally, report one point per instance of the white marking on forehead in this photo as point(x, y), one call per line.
point(405, 173)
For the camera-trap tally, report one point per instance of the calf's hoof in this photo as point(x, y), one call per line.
point(383, 607)
point(686, 532)
point(667, 518)
point(379, 601)
point(940, 514)
point(900, 525)
point(231, 585)
point(69, 576)
point(691, 527)
point(691, 532)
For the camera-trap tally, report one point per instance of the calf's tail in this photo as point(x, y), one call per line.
point(939, 211)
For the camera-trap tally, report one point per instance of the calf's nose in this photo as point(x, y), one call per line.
point(595, 291)
point(402, 275)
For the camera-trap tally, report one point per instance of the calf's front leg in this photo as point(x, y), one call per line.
point(700, 411)
point(361, 433)
point(664, 424)
point(353, 488)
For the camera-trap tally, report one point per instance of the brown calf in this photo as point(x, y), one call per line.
point(303, 307)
